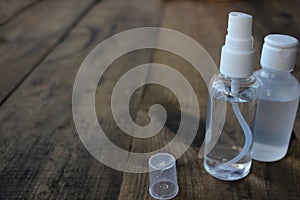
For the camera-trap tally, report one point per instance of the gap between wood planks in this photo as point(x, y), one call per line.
point(14, 12)
point(51, 49)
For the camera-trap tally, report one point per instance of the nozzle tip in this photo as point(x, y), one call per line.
point(239, 25)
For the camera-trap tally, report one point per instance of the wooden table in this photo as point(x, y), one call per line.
point(42, 44)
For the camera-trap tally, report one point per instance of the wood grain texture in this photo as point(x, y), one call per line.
point(42, 156)
point(42, 47)
point(30, 36)
point(10, 8)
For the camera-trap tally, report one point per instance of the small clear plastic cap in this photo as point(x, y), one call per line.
point(163, 178)
point(279, 52)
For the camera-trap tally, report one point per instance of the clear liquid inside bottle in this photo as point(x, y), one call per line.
point(275, 116)
point(230, 142)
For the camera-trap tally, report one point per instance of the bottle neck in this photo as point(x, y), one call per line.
point(234, 85)
point(266, 72)
point(276, 71)
point(236, 80)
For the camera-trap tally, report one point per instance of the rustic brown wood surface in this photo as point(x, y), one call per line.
point(43, 43)
point(30, 36)
point(9, 9)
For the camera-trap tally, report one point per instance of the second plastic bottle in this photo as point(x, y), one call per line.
point(278, 98)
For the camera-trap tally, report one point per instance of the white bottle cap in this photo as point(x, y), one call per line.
point(237, 55)
point(279, 52)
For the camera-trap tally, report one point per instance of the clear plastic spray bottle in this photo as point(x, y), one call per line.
point(278, 98)
point(234, 89)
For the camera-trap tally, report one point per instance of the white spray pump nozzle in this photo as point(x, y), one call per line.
point(238, 54)
point(239, 32)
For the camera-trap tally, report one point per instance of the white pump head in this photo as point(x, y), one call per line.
point(279, 52)
point(238, 54)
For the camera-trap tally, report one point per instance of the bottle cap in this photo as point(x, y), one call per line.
point(238, 54)
point(279, 52)
point(163, 177)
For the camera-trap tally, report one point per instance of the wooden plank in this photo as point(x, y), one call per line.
point(206, 22)
point(29, 37)
point(9, 9)
point(41, 153)
point(189, 176)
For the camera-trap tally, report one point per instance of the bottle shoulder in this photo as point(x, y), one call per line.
point(285, 78)
point(277, 86)
point(220, 87)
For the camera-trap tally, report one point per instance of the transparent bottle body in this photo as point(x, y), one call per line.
point(224, 140)
point(276, 112)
